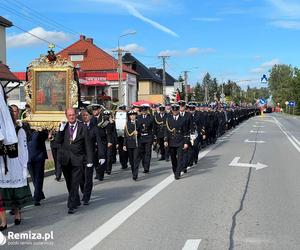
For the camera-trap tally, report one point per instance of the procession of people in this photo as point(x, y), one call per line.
point(85, 147)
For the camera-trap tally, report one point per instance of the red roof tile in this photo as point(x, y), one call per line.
point(95, 58)
point(20, 75)
point(6, 75)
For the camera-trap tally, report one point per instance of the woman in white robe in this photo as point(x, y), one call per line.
point(14, 188)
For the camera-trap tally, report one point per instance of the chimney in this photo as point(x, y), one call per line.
point(82, 37)
point(90, 40)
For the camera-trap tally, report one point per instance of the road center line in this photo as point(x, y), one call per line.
point(117, 220)
point(191, 244)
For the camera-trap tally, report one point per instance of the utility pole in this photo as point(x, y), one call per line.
point(186, 84)
point(121, 92)
point(120, 74)
point(206, 93)
point(164, 72)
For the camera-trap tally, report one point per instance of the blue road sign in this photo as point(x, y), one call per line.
point(264, 79)
point(262, 101)
point(292, 104)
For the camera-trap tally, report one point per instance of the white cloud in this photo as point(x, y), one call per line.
point(188, 52)
point(286, 14)
point(133, 47)
point(25, 39)
point(207, 19)
point(207, 50)
point(169, 53)
point(287, 24)
point(192, 51)
point(258, 58)
point(287, 8)
point(133, 9)
point(265, 66)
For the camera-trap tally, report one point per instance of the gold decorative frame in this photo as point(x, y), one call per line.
point(49, 119)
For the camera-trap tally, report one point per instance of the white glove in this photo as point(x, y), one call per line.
point(19, 123)
point(62, 126)
point(89, 165)
point(25, 173)
point(101, 161)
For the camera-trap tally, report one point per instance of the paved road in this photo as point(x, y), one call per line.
point(216, 205)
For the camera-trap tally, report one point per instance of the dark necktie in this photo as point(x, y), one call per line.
point(71, 131)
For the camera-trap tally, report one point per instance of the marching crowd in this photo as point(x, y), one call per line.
point(91, 140)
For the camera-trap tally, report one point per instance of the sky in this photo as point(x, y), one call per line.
point(238, 40)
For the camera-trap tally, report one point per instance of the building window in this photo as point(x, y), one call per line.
point(76, 58)
point(114, 93)
point(22, 94)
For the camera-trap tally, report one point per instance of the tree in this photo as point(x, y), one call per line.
point(198, 92)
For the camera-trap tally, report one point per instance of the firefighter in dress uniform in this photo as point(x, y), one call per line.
point(176, 138)
point(147, 137)
point(131, 142)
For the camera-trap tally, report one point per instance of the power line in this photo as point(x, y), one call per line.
point(42, 39)
point(38, 18)
point(45, 18)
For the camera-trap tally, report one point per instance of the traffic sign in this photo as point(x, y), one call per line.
point(292, 103)
point(264, 79)
point(262, 101)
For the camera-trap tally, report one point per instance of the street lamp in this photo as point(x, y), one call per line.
point(120, 68)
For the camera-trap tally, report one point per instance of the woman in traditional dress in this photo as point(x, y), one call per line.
point(14, 187)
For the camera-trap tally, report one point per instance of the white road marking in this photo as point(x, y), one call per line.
point(117, 220)
point(247, 141)
point(256, 126)
point(283, 130)
point(235, 163)
point(191, 244)
point(256, 131)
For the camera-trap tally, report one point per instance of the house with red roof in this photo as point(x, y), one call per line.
point(98, 72)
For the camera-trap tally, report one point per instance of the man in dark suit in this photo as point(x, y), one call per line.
point(176, 138)
point(37, 155)
point(160, 120)
point(86, 184)
point(189, 126)
point(54, 150)
point(147, 132)
point(75, 148)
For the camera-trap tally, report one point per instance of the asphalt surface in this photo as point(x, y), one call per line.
point(221, 206)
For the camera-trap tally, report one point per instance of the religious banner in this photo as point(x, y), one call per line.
point(50, 90)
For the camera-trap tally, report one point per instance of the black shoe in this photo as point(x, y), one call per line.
point(85, 203)
point(100, 179)
point(146, 171)
point(2, 228)
point(17, 221)
point(162, 159)
point(134, 178)
point(108, 172)
point(177, 177)
point(12, 212)
point(124, 167)
point(196, 162)
point(167, 159)
point(37, 203)
point(71, 211)
point(96, 177)
point(57, 179)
